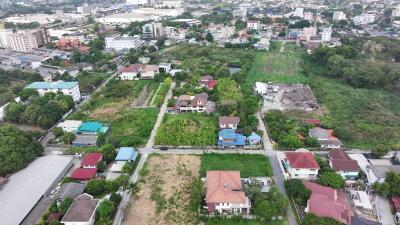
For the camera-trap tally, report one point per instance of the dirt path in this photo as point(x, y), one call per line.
point(141, 100)
point(164, 194)
point(282, 46)
point(155, 95)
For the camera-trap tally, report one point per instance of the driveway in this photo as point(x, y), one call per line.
point(384, 211)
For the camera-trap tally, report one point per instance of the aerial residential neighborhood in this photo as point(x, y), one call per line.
point(192, 112)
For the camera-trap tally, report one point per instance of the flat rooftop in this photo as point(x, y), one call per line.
point(26, 187)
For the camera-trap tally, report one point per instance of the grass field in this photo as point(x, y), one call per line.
point(237, 221)
point(276, 67)
point(248, 165)
point(187, 129)
point(132, 127)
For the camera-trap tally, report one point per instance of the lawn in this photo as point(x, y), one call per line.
point(249, 165)
point(187, 129)
point(237, 221)
point(132, 127)
point(276, 67)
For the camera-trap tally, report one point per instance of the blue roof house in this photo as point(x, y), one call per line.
point(228, 138)
point(92, 128)
point(126, 154)
point(254, 139)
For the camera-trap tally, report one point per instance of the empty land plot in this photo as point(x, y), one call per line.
point(187, 129)
point(249, 165)
point(236, 221)
point(276, 67)
point(165, 193)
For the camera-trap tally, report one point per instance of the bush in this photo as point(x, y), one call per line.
point(296, 189)
point(331, 179)
point(64, 206)
point(58, 132)
point(68, 138)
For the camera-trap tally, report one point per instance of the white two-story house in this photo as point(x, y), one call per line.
point(228, 122)
point(299, 164)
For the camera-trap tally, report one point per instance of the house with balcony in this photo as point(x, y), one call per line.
point(325, 138)
point(224, 193)
point(300, 164)
point(346, 167)
point(130, 72)
point(228, 122)
point(196, 103)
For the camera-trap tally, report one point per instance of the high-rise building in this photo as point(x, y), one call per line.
point(4, 43)
point(118, 42)
point(326, 34)
point(153, 31)
point(339, 15)
point(299, 12)
point(22, 42)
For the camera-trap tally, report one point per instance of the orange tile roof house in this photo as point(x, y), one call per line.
point(224, 193)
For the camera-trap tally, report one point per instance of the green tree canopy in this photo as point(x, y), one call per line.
point(331, 179)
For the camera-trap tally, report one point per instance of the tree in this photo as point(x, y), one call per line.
point(26, 93)
point(382, 189)
point(68, 138)
point(101, 166)
point(381, 150)
point(209, 37)
point(95, 187)
point(311, 142)
point(17, 149)
point(14, 111)
point(106, 209)
point(331, 179)
point(253, 190)
point(64, 206)
point(296, 189)
point(58, 131)
point(115, 198)
point(55, 222)
point(108, 152)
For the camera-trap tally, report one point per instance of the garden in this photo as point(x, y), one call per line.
point(187, 130)
point(249, 165)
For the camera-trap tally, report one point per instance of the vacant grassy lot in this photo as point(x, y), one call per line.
point(283, 67)
point(132, 127)
point(187, 129)
point(116, 96)
point(248, 165)
point(363, 118)
point(237, 221)
point(165, 191)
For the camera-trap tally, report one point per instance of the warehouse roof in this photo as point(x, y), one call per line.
point(25, 188)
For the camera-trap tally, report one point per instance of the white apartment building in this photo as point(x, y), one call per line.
point(309, 32)
point(239, 13)
point(118, 42)
point(22, 42)
point(4, 43)
point(364, 19)
point(396, 12)
point(75, 36)
point(253, 24)
point(137, 2)
point(299, 164)
point(70, 125)
point(299, 12)
point(221, 32)
point(172, 3)
point(339, 15)
point(326, 34)
point(66, 88)
point(308, 16)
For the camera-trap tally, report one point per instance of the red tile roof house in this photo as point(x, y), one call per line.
point(396, 206)
point(228, 122)
point(197, 103)
point(224, 193)
point(325, 138)
point(328, 202)
point(82, 211)
point(208, 82)
point(131, 72)
point(299, 164)
point(343, 164)
point(84, 174)
point(91, 160)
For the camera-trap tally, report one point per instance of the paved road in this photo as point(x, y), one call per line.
point(269, 151)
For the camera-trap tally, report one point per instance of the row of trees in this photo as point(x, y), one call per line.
point(17, 149)
point(43, 111)
point(286, 132)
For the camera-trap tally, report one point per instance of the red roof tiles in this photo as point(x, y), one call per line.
point(224, 186)
point(84, 174)
point(134, 68)
point(91, 159)
point(342, 162)
point(303, 160)
point(396, 203)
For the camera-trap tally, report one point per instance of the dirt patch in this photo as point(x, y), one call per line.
point(164, 194)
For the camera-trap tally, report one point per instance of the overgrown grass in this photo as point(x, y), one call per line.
point(187, 129)
point(132, 127)
point(236, 221)
point(249, 165)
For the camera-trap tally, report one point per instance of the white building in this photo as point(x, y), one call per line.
point(396, 12)
point(172, 3)
point(4, 43)
point(299, 12)
point(66, 88)
point(309, 32)
point(364, 19)
point(22, 42)
point(74, 36)
point(239, 13)
point(137, 2)
point(165, 66)
point(86, 9)
point(131, 72)
point(70, 125)
point(253, 24)
point(339, 15)
point(308, 16)
point(299, 164)
point(326, 34)
point(153, 31)
point(221, 32)
point(119, 42)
